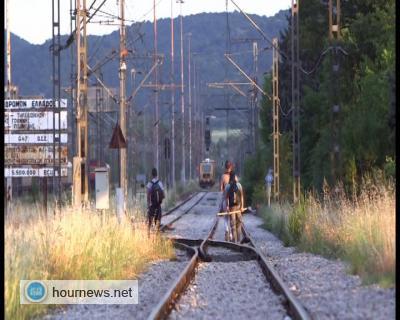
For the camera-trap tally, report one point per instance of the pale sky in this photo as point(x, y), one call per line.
point(31, 19)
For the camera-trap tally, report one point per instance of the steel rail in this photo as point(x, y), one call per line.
point(163, 227)
point(179, 205)
point(163, 308)
point(250, 250)
point(293, 306)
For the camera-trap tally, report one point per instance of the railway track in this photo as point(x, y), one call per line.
point(253, 289)
point(178, 212)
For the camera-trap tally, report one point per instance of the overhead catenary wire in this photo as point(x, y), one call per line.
point(307, 72)
point(71, 37)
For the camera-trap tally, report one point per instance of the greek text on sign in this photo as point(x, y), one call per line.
point(33, 138)
point(33, 104)
point(30, 154)
point(32, 172)
point(33, 120)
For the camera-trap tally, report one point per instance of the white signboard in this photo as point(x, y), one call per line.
point(33, 104)
point(34, 154)
point(33, 172)
point(33, 138)
point(33, 120)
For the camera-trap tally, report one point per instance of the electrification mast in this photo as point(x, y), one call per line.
point(254, 97)
point(334, 38)
point(122, 101)
point(157, 111)
point(275, 114)
point(10, 93)
point(80, 163)
point(190, 109)
point(56, 101)
point(183, 166)
point(173, 179)
point(295, 99)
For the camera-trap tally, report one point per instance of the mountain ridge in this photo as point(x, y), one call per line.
point(32, 67)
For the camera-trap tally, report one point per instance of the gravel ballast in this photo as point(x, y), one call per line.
point(152, 285)
point(229, 291)
point(227, 287)
point(197, 222)
point(323, 286)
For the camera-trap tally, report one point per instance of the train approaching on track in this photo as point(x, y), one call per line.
point(207, 173)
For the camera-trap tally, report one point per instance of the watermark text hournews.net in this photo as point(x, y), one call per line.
point(78, 292)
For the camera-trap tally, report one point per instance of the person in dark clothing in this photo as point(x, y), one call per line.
point(155, 196)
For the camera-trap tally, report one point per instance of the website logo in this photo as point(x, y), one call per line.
point(79, 292)
point(35, 291)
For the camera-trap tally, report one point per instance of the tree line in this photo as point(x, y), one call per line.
point(365, 91)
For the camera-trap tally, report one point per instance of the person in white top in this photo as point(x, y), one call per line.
point(155, 196)
point(269, 178)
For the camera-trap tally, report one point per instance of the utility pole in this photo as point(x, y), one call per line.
point(254, 96)
point(334, 37)
point(8, 65)
point(183, 173)
point(227, 96)
point(10, 94)
point(295, 99)
point(196, 117)
point(173, 179)
point(56, 101)
point(80, 163)
point(122, 101)
point(99, 103)
point(157, 111)
point(190, 110)
point(72, 123)
point(275, 115)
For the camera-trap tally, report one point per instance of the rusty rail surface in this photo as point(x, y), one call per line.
point(162, 310)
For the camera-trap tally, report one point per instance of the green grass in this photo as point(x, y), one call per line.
point(360, 231)
point(73, 246)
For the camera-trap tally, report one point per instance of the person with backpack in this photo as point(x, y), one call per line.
point(155, 196)
point(234, 205)
point(222, 184)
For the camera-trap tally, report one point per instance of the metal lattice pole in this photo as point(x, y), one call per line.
point(80, 165)
point(275, 115)
point(10, 94)
point(56, 101)
point(295, 99)
point(71, 109)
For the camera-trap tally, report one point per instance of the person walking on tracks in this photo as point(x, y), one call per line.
point(268, 184)
point(234, 205)
point(155, 196)
point(222, 184)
